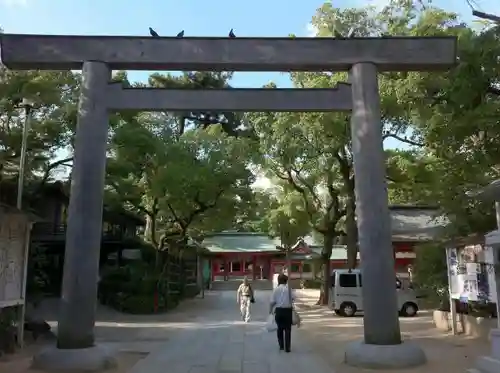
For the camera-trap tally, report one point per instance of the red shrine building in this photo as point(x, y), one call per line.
point(257, 256)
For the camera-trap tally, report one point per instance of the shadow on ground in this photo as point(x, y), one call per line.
point(134, 337)
point(114, 326)
point(329, 335)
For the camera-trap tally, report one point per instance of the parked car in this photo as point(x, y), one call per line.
point(347, 298)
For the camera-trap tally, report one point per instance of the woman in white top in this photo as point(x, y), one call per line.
point(281, 303)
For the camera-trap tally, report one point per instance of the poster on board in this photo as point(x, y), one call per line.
point(467, 278)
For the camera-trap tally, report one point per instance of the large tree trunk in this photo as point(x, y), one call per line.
point(151, 231)
point(289, 263)
point(351, 231)
point(325, 256)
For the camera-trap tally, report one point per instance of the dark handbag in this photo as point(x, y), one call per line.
point(252, 299)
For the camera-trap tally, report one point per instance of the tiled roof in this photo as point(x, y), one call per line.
point(490, 192)
point(410, 224)
point(240, 242)
point(339, 252)
point(416, 224)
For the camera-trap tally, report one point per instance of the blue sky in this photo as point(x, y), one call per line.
point(196, 17)
point(168, 17)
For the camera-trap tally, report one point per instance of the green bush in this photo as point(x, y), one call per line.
point(191, 291)
point(430, 272)
point(135, 287)
point(148, 252)
point(312, 284)
point(8, 330)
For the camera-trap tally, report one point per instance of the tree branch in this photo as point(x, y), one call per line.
point(152, 217)
point(202, 207)
point(345, 168)
point(308, 186)
point(402, 139)
point(303, 194)
point(493, 91)
point(52, 166)
point(334, 206)
point(138, 207)
point(176, 218)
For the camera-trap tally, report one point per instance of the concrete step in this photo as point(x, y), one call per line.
point(233, 285)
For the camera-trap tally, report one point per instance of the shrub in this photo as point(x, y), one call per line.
point(130, 288)
point(191, 291)
point(8, 331)
point(431, 271)
point(135, 288)
point(311, 284)
point(148, 252)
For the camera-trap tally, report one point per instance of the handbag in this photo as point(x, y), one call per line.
point(271, 324)
point(295, 316)
point(252, 298)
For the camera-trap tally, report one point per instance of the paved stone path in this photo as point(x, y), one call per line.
point(216, 341)
point(329, 335)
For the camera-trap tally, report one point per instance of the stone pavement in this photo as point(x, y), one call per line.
point(328, 335)
point(216, 341)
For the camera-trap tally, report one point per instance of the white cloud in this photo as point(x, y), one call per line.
point(312, 31)
point(378, 4)
point(262, 182)
point(14, 3)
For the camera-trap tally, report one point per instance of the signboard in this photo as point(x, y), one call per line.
point(467, 277)
point(405, 255)
point(13, 235)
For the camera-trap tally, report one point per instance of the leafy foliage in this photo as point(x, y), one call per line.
point(430, 272)
point(53, 119)
point(180, 169)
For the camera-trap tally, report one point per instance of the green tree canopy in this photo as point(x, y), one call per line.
point(186, 177)
point(53, 120)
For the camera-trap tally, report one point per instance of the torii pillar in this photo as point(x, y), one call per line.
point(382, 346)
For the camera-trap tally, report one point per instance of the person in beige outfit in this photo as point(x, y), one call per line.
point(245, 297)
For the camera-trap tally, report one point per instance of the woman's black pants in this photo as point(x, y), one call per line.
point(283, 317)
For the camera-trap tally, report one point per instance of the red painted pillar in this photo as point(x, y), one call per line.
point(395, 249)
point(226, 269)
point(254, 267)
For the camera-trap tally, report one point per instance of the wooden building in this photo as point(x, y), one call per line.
point(257, 256)
point(49, 202)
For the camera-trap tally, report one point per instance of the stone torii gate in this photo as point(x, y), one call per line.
point(98, 55)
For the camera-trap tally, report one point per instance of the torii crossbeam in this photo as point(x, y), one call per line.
point(63, 52)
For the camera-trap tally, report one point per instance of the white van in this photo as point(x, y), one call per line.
point(347, 299)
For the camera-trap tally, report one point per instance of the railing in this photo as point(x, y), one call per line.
point(50, 231)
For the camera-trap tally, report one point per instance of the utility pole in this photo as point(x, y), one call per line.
point(28, 110)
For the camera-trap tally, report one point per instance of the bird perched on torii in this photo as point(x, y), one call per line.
point(154, 34)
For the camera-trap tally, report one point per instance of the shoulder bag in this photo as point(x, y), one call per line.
point(295, 315)
point(252, 298)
